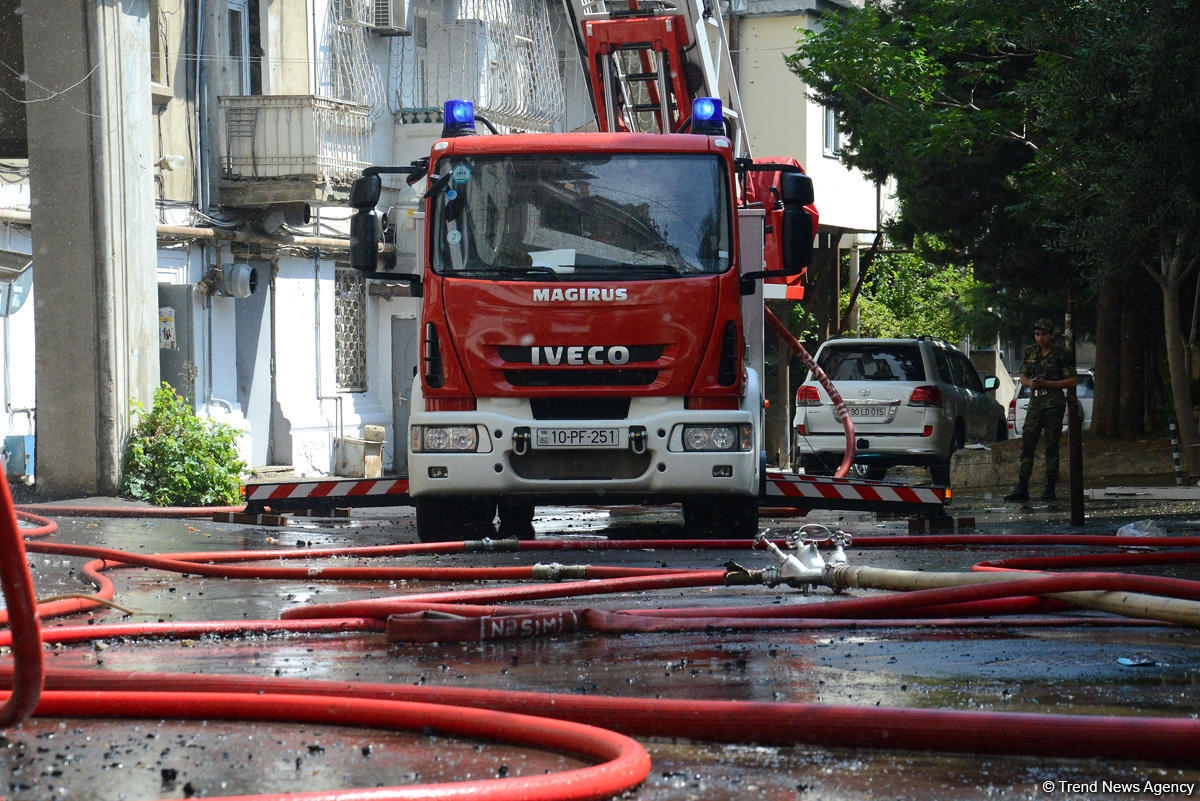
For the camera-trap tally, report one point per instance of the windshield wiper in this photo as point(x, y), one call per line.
point(658, 269)
point(538, 271)
point(507, 273)
point(476, 272)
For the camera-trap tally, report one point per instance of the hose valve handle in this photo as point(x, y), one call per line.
point(841, 541)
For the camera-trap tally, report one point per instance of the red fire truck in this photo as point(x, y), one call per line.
point(591, 300)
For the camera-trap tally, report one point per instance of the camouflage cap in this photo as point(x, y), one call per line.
point(1044, 324)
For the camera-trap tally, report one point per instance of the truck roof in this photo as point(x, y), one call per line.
point(583, 142)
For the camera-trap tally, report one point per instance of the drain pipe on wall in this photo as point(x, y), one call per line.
point(321, 396)
point(209, 381)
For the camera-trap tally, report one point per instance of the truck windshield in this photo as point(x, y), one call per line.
point(588, 217)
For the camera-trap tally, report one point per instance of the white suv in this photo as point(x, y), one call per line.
point(913, 401)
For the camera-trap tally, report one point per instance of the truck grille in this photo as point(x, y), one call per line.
point(579, 408)
point(580, 465)
point(575, 377)
point(640, 371)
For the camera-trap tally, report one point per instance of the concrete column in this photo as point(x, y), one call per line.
point(93, 229)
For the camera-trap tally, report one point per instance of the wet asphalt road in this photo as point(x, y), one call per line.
point(1108, 670)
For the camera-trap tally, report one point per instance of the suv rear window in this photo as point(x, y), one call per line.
point(874, 362)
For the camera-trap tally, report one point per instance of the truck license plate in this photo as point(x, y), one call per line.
point(577, 438)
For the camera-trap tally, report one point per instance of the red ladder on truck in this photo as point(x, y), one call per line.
point(647, 60)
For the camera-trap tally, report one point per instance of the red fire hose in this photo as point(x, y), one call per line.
point(623, 762)
point(839, 405)
point(1170, 740)
point(1160, 740)
point(20, 598)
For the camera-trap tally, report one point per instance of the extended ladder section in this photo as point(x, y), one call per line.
point(647, 60)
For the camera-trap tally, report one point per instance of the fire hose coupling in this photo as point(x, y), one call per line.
point(487, 545)
point(805, 567)
point(559, 572)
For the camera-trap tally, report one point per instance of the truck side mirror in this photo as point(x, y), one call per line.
point(365, 235)
point(365, 229)
point(797, 237)
point(797, 189)
point(365, 191)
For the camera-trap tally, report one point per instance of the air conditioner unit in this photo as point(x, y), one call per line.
point(390, 17)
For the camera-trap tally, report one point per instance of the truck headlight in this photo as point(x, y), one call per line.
point(444, 439)
point(717, 438)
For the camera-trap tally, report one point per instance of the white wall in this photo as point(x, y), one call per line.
point(783, 122)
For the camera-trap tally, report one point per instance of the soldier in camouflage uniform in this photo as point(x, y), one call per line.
point(1048, 369)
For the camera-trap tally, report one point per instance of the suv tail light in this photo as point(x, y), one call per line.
point(925, 396)
point(807, 395)
point(1012, 414)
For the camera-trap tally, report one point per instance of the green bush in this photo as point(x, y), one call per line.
point(176, 459)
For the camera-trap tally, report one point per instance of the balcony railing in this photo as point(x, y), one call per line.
point(292, 141)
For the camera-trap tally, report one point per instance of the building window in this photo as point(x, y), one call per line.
point(160, 71)
point(158, 61)
point(350, 330)
point(238, 17)
point(833, 134)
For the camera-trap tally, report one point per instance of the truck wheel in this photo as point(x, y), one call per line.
point(454, 519)
point(731, 517)
point(516, 520)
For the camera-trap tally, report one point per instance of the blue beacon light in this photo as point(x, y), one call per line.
point(458, 118)
point(706, 116)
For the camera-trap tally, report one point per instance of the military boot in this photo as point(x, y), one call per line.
point(1021, 493)
point(1048, 493)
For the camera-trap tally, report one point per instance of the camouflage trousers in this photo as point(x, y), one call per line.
point(1044, 423)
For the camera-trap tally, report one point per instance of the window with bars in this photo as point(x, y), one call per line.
point(350, 329)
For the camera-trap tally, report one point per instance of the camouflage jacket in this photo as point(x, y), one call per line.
point(1053, 366)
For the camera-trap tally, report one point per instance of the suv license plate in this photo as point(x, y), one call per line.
point(869, 411)
point(577, 438)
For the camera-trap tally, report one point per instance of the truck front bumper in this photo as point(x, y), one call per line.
point(656, 454)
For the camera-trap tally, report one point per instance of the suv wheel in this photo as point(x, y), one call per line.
point(867, 471)
point(940, 473)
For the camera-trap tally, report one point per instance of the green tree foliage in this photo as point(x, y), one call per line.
point(906, 295)
point(176, 459)
point(926, 94)
point(1050, 144)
